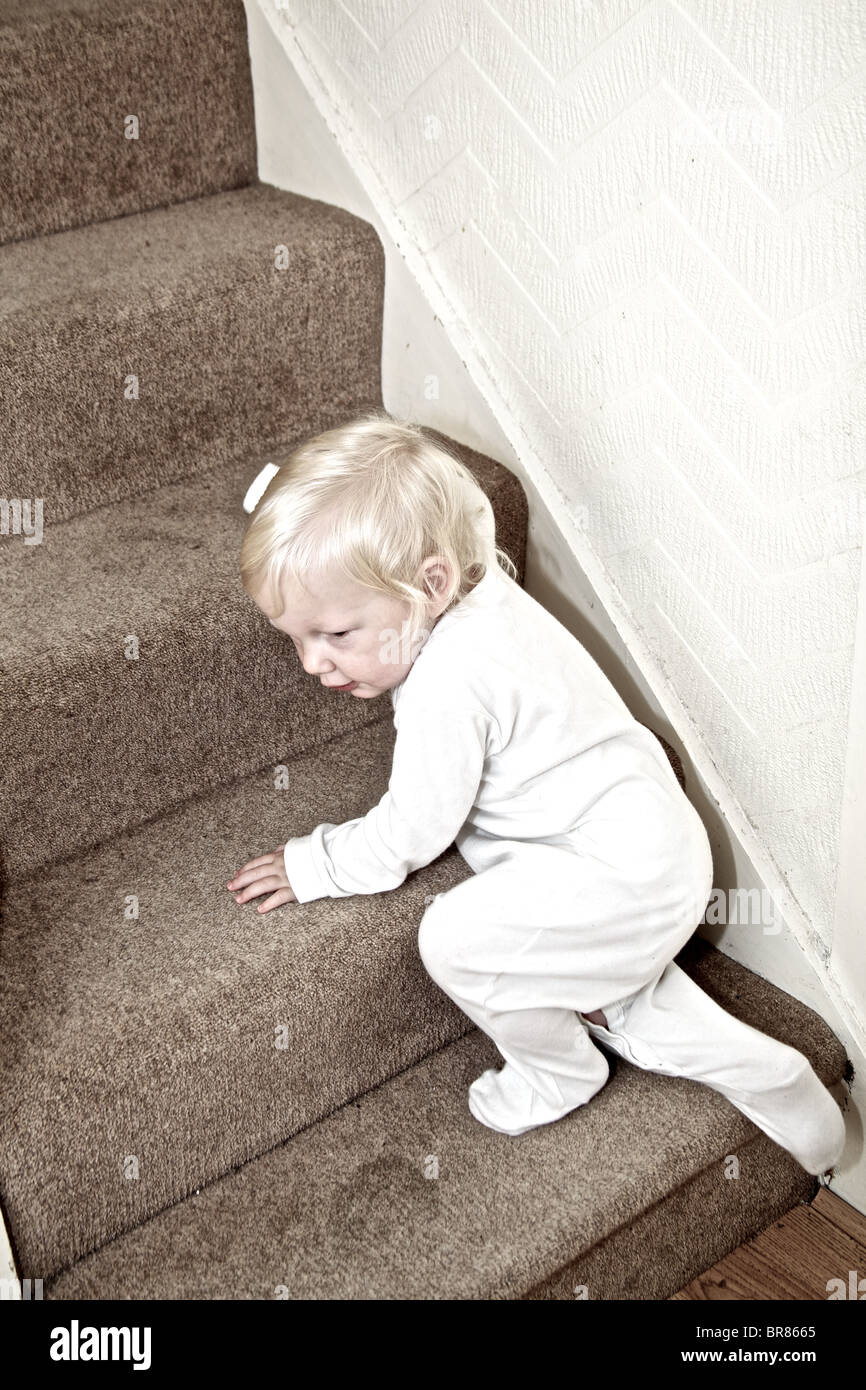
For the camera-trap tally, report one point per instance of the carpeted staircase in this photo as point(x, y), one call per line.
point(197, 1101)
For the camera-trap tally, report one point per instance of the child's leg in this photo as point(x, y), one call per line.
point(537, 935)
point(673, 1027)
point(551, 1063)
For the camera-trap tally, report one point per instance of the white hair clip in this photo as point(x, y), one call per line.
point(258, 485)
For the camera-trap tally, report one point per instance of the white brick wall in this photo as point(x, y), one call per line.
point(649, 220)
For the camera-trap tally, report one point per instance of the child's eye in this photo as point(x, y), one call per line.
point(341, 634)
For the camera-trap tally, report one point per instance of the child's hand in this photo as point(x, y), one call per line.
point(262, 876)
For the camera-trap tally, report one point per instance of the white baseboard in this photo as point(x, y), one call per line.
point(10, 1285)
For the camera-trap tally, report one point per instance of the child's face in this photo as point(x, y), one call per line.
point(346, 635)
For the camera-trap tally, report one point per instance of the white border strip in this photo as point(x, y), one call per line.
point(848, 959)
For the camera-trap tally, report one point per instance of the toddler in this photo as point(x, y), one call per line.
point(374, 551)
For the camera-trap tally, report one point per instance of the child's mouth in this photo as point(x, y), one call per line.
point(350, 685)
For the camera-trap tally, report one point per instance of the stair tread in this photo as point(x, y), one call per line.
point(186, 250)
point(190, 931)
point(350, 1208)
point(128, 565)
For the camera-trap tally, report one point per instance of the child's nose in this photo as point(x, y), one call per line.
point(315, 662)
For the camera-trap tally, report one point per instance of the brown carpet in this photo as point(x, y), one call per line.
point(402, 1194)
point(72, 71)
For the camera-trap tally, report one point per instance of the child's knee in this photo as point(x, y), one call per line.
point(435, 937)
point(453, 953)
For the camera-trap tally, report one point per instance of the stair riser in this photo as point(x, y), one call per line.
point(70, 82)
point(682, 1235)
point(147, 734)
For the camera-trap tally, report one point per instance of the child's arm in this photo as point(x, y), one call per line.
point(437, 767)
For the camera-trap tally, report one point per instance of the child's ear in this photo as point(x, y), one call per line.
point(436, 576)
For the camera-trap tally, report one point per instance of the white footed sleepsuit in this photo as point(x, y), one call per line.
point(592, 870)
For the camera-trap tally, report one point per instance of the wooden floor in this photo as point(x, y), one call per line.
point(796, 1257)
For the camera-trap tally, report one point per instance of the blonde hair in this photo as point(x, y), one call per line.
point(373, 498)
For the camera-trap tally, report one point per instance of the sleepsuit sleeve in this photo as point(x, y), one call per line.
point(436, 772)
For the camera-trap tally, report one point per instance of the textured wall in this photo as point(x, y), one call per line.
point(651, 220)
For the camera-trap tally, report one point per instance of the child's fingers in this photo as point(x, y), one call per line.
point(259, 879)
point(262, 883)
point(246, 874)
point(285, 895)
point(256, 863)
